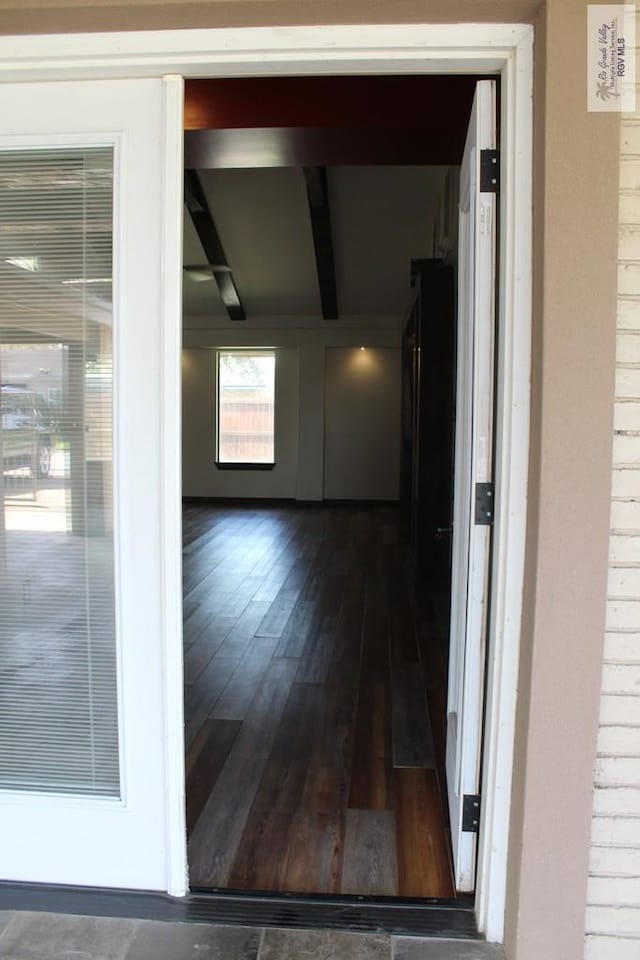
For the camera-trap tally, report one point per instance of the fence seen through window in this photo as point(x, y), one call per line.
point(246, 396)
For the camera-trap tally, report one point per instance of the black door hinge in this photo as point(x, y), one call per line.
point(485, 507)
point(470, 813)
point(489, 171)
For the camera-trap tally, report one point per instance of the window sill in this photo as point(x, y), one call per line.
point(244, 466)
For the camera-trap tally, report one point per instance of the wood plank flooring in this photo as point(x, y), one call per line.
point(309, 653)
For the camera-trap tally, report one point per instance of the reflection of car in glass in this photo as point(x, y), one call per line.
point(26, 430)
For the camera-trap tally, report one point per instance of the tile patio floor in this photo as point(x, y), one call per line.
point(50, 936)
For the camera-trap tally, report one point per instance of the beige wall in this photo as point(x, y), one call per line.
point(574, 335)
point(57, 16)
point(574, 342)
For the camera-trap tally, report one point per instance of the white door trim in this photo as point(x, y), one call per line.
point(259, 51)
point(171, 482)
point(513, 383)
point(505, 49)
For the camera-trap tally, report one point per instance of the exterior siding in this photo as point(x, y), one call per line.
point(613, 897)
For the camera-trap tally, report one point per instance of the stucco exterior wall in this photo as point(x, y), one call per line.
point(76, 16)
point(575, 219)
point(575, 227)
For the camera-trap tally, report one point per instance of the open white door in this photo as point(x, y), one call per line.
point(473, 467)
point(85, 796)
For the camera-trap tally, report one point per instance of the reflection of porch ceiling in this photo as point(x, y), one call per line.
point(47, 309)
point(56, 245)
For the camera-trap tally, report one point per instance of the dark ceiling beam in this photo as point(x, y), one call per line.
point(319, 209)
point(324, 146)
point(203, 221)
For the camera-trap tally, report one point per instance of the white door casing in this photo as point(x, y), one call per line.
point(505, 49)
point(115, 842)
point(473, 465)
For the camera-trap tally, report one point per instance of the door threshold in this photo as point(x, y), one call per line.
point(401, 916)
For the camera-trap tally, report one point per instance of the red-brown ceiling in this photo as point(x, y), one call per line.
point(285, 121)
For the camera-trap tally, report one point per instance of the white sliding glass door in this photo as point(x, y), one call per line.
point(83, 717)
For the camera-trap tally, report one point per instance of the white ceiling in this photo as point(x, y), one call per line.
point(382, 217)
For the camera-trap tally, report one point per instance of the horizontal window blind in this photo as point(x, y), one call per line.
point(58, 689)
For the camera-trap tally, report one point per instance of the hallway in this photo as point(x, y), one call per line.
point(311, 761)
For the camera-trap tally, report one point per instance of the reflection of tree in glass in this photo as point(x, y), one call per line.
point(249, 371)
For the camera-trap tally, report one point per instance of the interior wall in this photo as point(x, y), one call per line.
point(200, 476)
point(362, 425)
point(302, 462)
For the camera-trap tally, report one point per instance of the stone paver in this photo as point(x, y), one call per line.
point(324, 945)
point(54, 936)
point(188, 941)
point(51, 936)
point(5, 917)
point(412, 948)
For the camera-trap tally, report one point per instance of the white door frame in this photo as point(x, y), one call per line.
point(503, 49)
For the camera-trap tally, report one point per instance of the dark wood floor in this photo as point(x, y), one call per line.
point(311, 762)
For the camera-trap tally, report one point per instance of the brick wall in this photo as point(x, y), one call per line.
point(613, 898)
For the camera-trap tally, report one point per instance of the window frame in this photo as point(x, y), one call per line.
point(253, 352)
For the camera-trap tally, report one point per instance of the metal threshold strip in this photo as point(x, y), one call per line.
point(453, 919)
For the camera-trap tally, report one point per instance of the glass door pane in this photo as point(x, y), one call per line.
point(58, 677)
